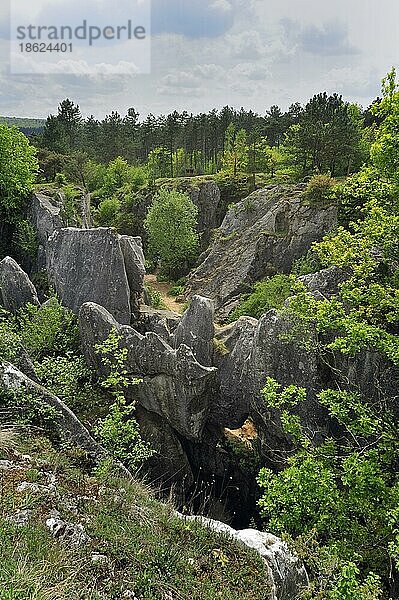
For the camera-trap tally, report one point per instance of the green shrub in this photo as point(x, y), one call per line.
point(155, 298)
point(107, 212)
point(319, 190)
point(325, 494)
point(69, 211)
point(60, 179)
point(48, 330)
point(306, 265)
point(67, 377)
point(25, 239)
point(267, 294)
point(18, 170)
point(26, 409)
point(119, 431)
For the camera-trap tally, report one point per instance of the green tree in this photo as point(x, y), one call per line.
point(327, 136)
point(235, 156)
point(171, 225)
point(18, 170)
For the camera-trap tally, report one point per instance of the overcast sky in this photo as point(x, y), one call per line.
point(209, 53)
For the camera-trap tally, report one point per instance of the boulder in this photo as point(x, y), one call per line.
point(260, 236)
point(16, 289)
point(196, 330)
point(174, 385)
point(96, 265)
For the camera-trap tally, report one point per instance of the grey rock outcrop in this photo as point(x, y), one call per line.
point(174, 385)
point(233, 345)
point(261, 235)
point(287, 352)
point(196, 330)
point(160, 321)
point(206, 197)
point(96, 265)
point(325, 283)
point(45, 215)
point(286, 571)
point(16, 289)
point(170, 462)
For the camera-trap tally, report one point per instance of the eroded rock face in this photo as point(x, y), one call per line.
point(260, 236)
point(233, 345)
point(325, 283)
point(206, 197)
point(16, 289)
point(45, 215)
point(196, 330)
point(96, 265)
point(174, 385)
point(70, 428)
point(287, 352)
point(170, 462)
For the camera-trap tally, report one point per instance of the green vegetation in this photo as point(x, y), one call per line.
point(171, 226)
point(144, 548)
point(18, 168)
point(119, 431)
point(336, 496)
point(319, 190)
point(267, 294)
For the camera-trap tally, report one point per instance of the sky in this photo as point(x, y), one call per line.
point(210, 53)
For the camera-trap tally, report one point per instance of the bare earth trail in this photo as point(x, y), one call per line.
point(163, 288)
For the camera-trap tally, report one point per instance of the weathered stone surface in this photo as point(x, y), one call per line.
point(196, 330)
point(16, 289)
point(170, 462)
point(233, 345)
point(206, 197)
point(325, 283)
point(132, 250)
point(162, 322)
point(286, 571)
point(259, 236)
point(284, 350)
point(174, 385)
point(96, 265)
point(45, 216)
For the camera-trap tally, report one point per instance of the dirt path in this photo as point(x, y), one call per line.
point(164, 287)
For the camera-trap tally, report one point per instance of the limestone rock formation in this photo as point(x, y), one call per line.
point(45, 215)
point(206, 197)
point(259, 236)
point(174, 385)
point(170, 462)
point(196, 330)
point(233, 345)
point(325, 283)
point(96, 265)
point(16, 289)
